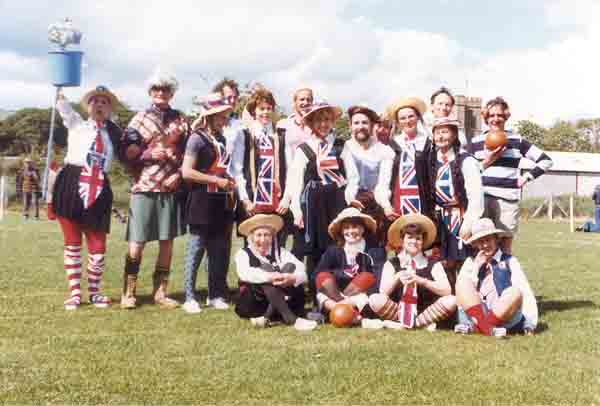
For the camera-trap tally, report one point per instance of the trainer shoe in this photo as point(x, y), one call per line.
point(463, 328)
point(100, 301)
point(393, 325)
point(499, 332)
point(259, 322)
point(191, 307)
point(315, 315)
point(73, 303)
point(304, 324)
point(373, 324)
point(431, 327)
point(218, 303)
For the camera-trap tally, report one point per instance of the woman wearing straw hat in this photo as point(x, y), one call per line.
point(414, 292)
point(403, 186)
point(347, 269)
point(493, 293)
point(458, 194)
point(271, 278)
point(261, 182)
point(82, 196)
point(317, 181)
point(211, 203)
point(155, 212)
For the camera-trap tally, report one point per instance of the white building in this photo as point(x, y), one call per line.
point(572, 172)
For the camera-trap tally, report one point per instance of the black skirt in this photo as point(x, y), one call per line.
point(207, 208)
point(67, 202)
point(322, 205)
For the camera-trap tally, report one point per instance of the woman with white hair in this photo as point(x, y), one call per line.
point(271, 278)
point(154, 211)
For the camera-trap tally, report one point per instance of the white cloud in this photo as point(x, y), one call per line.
point(283, 43)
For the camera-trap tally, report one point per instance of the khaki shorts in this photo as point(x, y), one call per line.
point(504, 213)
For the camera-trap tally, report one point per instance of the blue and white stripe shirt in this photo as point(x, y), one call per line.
point(500, 179)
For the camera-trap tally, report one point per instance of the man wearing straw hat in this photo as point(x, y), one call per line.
point(155, 212)
point(403, 187)
point(363, 156)
point(492, 290)
point(414, 292)
point(211, 203)
point(271, 278)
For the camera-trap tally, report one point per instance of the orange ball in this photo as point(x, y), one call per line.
point(342, 315)
point(495, 139)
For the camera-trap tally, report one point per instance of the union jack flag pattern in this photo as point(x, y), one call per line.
point(267, 194)
point(407, 310)
point(446, 201)
point(220, 164)
point(91, 179)
point(329, 169)
point(406, 195)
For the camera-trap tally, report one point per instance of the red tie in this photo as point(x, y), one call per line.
point(91, 179)
point(408, 303)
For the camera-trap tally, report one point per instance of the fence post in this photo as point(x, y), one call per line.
point(571, 217)
point(2, 195)
point(550, 207)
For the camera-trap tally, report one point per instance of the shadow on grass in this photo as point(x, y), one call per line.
point(201, 296)
point(547, 306)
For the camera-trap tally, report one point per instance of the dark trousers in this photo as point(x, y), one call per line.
point(216, 242)
point(31, 199)
point(270, 301)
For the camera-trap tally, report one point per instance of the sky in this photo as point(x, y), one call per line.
point(539, 55)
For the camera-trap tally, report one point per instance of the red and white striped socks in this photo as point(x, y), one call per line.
point(95, 271)
point(72, 261)
point(440, 310)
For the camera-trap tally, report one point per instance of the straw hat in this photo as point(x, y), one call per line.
point(445, 121)
point(214, 103)
point(373, 116)
point(419, 105)
point(482, 228)
point(429, 230)
point(337, 112)
point(272, 221)
point(350, 213)
point(98, 91)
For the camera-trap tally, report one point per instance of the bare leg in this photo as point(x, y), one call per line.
point(508, 303)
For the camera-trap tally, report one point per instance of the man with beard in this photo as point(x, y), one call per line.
point(362, 156)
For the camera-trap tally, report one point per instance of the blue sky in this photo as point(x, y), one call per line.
point(535, 53)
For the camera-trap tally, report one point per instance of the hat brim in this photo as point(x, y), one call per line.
point(373, 116)
point(337, 112)
point(429, 230)
point(335, 227)
point(85, 100)
point(271, 221)
point(485, 233)
point(414, 102)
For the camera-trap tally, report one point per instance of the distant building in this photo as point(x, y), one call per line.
point(572, 172)
point(468, 112)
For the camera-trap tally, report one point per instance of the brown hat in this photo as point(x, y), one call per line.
point(337, 112)
point(98, 91)
point(395, 230)
point(214, 103)
point(373, 116)
point(445, 121)
point(272, 221)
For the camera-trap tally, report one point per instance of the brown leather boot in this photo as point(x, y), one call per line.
point(128, 300)
point(160, 280)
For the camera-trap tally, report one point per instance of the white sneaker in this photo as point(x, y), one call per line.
point(499, 332)
point(316, 316)
point(304, 324)
point(463, 328)
point(374, 324)
point(432, 328)
point(218, 303)
point(191, 306)
point(259, 322)
point(393, 325)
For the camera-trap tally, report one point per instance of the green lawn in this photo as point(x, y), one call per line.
point(152, 356)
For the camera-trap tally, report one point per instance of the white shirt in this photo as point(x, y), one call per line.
point(295, 176)
point(388, 279)
point(294, 133)
point(363, 165)
point(518, 279)
point(256, 275)
point(82, 134)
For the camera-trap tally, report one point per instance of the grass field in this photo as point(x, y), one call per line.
point(152, 356)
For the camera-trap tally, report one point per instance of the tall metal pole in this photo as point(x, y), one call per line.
point(50, 146)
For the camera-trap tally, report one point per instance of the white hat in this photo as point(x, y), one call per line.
point(272, 221)
point(482, 228)
point(350, 213)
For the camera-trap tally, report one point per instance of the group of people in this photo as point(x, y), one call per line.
point(444, 211)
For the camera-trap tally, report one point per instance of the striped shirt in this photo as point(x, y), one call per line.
point(500, 179)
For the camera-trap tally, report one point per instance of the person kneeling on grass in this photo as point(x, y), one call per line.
point(346, 271)
point(492, 290)
point(271, 278)
point(414, 292)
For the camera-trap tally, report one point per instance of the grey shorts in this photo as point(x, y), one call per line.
point(504, 213)
point(153, 217)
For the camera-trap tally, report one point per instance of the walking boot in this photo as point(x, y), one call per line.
point(160, 280)
point(130, 274)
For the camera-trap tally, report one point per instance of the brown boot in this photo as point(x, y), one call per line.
point(160, 280)
point(132, 267)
